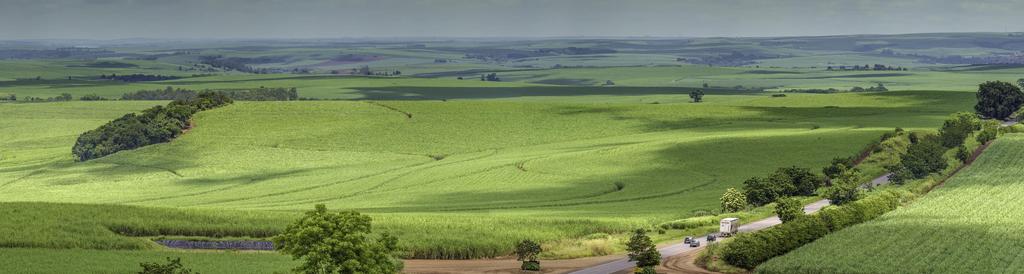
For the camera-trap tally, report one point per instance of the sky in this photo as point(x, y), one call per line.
point(175, 19)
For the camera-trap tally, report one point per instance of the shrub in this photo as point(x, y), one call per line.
point(962, 154)
point(788, 209)
point(733, 200)
point(998, 99)
point(987, 134)
point(338, 243)
point(173, 266)
point(645, 270)
point(527, 251)
point(530, 266)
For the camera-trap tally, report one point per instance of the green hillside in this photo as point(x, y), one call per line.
point(968, 225)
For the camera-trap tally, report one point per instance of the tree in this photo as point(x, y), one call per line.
point(733, 200)
point(697, 96)
point(526, 252)
point(899, 174)
point(957, 127)
point(998, 99)
point(173, 266)
point(797, 181)
point(760, 191)
point(642, 250)
point(788, 209)
point(846, 187)
point(338, 242)
point(924, 157)
point(836, 167)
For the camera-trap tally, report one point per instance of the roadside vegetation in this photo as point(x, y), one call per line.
point(966, 219)
point(928, 161)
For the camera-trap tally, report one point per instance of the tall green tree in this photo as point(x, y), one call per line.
point(760, 191)
point(733, 200)
point(697, 96)
point(845, 188)
point(957, 127)
point(642, 250)
point(924, 157)
point(998, 99)
point(338, 242)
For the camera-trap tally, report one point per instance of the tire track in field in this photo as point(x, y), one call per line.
point(407, 114)
point(629, 199)
point(347, 180)
point(171, 171)
point(479, 171)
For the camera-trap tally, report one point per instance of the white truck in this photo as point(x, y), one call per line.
point(728, 227)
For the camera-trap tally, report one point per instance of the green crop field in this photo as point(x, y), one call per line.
point(480, 174)
point(456, 168)
point(966, 219)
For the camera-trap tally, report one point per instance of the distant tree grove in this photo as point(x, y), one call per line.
point(158, 124)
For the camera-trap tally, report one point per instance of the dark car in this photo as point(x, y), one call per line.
point(712, 238)
point(688, 240)
point(694, 243)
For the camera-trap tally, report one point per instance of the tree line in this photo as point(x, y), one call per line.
point(155, 125)
point(138, 77)
point(257, 94)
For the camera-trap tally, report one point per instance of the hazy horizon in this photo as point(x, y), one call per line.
point(425, 19)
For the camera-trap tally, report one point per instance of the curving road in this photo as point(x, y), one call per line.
point(679, 248)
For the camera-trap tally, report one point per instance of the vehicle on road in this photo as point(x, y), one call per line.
point(695, 243)
point(711, 238)
point(728, 227)
point(688, 240)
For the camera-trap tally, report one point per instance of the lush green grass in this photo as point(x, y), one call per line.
point(478, 174)
point(970, 224)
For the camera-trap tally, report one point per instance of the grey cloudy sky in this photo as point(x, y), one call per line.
point(111, 19)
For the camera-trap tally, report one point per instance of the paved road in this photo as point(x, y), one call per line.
point(679, 248)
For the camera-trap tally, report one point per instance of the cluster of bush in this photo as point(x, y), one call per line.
point(258, 94)
point(62, 98)
point(751, 249)
point(158, 124)
point(879, 87)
